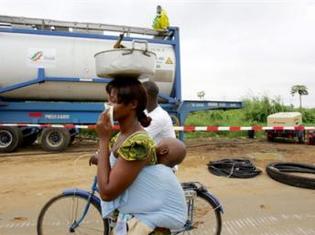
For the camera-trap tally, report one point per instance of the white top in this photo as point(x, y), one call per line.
point(161, 125)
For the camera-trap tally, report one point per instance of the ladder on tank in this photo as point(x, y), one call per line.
point(70, 26)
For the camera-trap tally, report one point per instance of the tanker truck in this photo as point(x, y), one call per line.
point(48, 78)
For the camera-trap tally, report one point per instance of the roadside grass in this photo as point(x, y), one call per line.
point(254, 112)
point(220, 118)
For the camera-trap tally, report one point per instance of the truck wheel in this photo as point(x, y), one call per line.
point(54, 139)
point(10, 139)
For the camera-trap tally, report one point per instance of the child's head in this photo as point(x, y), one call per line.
point(170, 152)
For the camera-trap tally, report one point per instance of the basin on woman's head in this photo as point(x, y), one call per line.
point(125, 63)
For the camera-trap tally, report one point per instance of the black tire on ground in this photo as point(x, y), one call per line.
point(234, 168)
point(61, 211)
point(279, 172)
point(55, 139)
point(10, 139)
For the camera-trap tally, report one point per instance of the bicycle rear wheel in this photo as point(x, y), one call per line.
point(59, 213)
point(205, 216)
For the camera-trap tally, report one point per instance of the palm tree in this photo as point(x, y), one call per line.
point(301, 90)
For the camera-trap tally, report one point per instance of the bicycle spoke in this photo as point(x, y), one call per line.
point(61, 213)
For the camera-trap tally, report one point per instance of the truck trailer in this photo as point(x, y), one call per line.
point(285, 119)
point(47, 76)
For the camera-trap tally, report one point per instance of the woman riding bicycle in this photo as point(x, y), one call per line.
point(122, 158)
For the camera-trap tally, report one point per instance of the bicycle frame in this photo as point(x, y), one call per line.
point(192, 188)
point(90, 196)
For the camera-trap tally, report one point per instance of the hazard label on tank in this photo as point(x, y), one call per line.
point(169, 61)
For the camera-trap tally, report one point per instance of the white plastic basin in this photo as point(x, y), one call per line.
point(124, 62)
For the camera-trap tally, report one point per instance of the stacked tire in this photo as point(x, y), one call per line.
point(282, 172)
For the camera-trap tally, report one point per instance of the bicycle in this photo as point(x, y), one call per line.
point(78, 211)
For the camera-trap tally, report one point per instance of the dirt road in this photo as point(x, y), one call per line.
point(252, 206)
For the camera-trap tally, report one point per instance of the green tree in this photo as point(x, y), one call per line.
point(301, 90)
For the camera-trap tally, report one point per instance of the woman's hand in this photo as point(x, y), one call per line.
point(104, 126)
point(94, 159)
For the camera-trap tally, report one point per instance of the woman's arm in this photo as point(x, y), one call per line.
point(113, 182)
point(103, 167)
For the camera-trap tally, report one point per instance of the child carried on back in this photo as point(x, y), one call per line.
point(156, 194)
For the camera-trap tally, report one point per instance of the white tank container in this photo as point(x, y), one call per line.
point(66, 57)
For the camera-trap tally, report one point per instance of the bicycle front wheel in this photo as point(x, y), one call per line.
point(62, 211)
point(205, 216)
